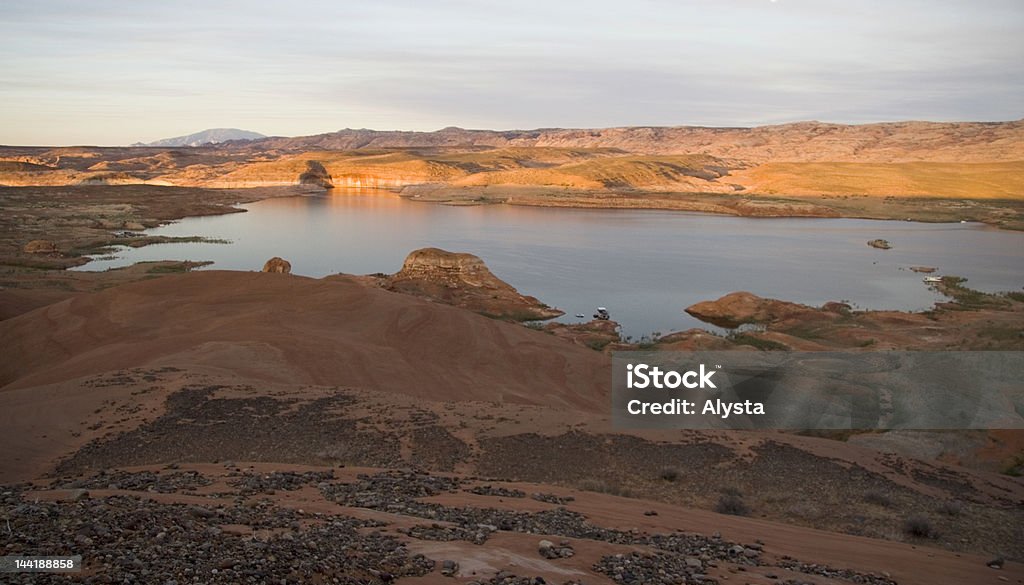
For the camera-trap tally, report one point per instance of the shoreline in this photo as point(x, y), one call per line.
point(1004, 214)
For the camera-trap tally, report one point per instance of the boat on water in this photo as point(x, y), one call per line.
point(933, 279)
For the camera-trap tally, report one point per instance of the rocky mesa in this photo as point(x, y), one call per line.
point(463, 280)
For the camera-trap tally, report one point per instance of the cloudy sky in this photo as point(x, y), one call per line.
point(106, 72)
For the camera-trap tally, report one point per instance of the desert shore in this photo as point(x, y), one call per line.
point(408, 427)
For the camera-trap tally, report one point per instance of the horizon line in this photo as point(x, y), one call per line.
point(140, 144)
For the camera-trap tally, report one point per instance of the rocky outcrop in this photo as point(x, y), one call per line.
point(598, 334)
point(279, 265)
point(465, 281)
point(40, 247)
point(880, 244)
point(739, 308)
point(315, 174)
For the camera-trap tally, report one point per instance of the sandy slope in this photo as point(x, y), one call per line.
point(283, 328)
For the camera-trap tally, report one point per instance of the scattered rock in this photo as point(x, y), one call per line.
point(499, 492)
point(996, 563)
point(254, 483)
point(136, 540)
point(924, 269)
point(550, 550)
point(552, 498)
point(143, 481)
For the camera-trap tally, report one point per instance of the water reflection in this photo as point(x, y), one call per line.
point(645, 266)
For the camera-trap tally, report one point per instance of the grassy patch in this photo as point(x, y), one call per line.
point(754, 341)
point(604, 487)
point(175, 268)
point(968, 298)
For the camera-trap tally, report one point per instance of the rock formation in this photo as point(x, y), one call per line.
point(880, 244)
point(279, 265)
point(738, 308)
point(465, 281)
point(40, 247)
point(316, 174)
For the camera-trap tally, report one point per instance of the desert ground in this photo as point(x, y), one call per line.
point(212, 426)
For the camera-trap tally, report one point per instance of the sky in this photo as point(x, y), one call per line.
point(112, 72)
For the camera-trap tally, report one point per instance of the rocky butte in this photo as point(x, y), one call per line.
point(463, 280)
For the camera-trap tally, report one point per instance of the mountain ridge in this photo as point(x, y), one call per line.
point(205, 137)
point(809, 141)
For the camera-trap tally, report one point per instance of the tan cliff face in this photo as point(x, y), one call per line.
point(451, 268)
point(906, 159)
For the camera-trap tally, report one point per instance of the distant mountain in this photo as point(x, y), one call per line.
point(210, 136)
point(795, 142)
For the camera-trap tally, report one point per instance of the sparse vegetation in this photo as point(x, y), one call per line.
point(731, 502)
point(669, 473)
point(597, 344)
point(951, 507)
point(1015, 466)
point(968, 298)
point(919, 526)
point(879, 498)
point(648, 341)
point(603, 487)
point(754, 341)
point(174, 267)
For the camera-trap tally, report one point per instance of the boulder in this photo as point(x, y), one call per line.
point(738, 308)
point(837, 307)
point(279, 265)
point(40, 247)
point(880, 244)
point(449, 568)
point(549, 550)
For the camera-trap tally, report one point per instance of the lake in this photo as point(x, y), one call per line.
point(645, 266)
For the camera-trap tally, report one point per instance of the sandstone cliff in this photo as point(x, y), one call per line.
point(465, 281)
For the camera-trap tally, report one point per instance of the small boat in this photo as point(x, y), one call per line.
point(580, 315)
point(602, 314)
point(933, 279)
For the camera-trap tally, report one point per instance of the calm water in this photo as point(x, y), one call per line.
point(645, 266)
